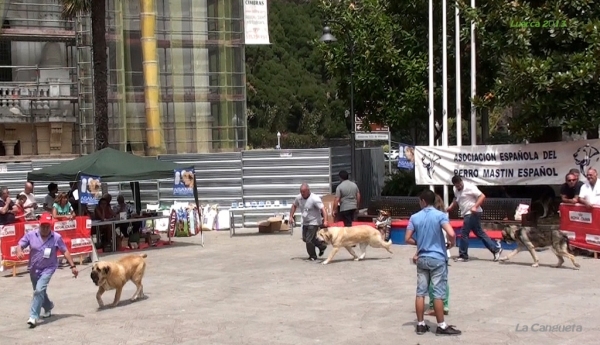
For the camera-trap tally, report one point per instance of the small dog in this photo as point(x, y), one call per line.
point(108, 275)
point(364, 235)
point(529, 238)
point(383, 223)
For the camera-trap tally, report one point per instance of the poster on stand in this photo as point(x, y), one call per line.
point(406, 157)
point(184, 182)
point(90, 189)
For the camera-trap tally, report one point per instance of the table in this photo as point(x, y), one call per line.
point(257, 210)
point(114, 222)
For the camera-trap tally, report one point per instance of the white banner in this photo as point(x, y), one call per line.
point(491, 165)
point(256, 22)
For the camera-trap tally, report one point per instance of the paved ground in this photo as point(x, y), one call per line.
point(258, 290)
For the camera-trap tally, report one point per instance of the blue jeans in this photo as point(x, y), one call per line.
point(40, 297)
point(434, 272)
point(472, 222)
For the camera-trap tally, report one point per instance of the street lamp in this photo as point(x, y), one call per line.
point(329, 38)
point(278, 141)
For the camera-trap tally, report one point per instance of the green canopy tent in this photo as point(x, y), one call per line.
point(112, 166)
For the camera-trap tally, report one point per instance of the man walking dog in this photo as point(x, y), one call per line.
point(44, 245)
point(313, 217)
point(469, 199)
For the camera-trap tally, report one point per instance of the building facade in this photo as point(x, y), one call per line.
point(45, 80)
point(201, 74)
point(176, 67)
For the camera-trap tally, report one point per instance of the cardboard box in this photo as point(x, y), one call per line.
point(273, 224)
point(264, 227)
point(328, 203)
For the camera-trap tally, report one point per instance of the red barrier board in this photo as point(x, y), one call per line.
point(582, 225)
point(76, 234)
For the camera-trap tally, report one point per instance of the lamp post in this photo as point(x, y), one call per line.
point(278, 141)
point(329, 38)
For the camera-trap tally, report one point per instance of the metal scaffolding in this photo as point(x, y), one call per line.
point(85, 76)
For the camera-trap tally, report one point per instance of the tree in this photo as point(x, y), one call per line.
point(546, 75)
point(286, 88)
point(97, 11)
point(390, 58)
point(545, 55)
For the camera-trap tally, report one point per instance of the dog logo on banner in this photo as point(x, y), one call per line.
point(583, 157)
point(429, 162)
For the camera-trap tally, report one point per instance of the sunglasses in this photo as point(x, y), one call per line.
point(571, 180)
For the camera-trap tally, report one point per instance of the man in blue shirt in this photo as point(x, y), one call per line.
point(425, 231)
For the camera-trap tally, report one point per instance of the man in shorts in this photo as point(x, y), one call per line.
point(313, 217)
point(425, 231)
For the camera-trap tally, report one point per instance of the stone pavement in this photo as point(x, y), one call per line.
point(256, 289)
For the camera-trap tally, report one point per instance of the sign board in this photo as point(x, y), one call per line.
point(90, 189)
point(372, 136)
point(492, 165)
point(406, 157)
point(183, 183)
point(256, 22)
point(359, 127)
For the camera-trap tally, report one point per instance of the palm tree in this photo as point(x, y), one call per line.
point(97, 11)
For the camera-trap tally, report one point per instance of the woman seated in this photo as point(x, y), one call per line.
point(102, 213)
point(19, 209)
point(62, 208)
point(129, 212)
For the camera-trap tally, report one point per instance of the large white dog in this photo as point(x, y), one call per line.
point(346, 237)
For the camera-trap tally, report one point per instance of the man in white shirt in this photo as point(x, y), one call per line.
point(589, 195)
point(30, 204)
point(469, 199)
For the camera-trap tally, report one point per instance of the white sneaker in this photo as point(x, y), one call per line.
point(46, 314)
point(31, 322)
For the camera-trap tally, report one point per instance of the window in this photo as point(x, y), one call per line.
point(5, 56)
point(134, 67)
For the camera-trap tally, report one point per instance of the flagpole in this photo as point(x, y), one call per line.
point(458, 83)
point(473, 82)
point(445, 86)
point(430, 92)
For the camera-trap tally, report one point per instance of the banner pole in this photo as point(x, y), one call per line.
point(430, 93)
point(473, 81)
point(445, 86)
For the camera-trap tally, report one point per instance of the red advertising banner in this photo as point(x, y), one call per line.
point(582, 225)
point(76, 234)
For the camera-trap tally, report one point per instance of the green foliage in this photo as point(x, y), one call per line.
point(390, 58)
point(71, 8)
point(402, 183)
point(548, 74)
point(286, 87)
